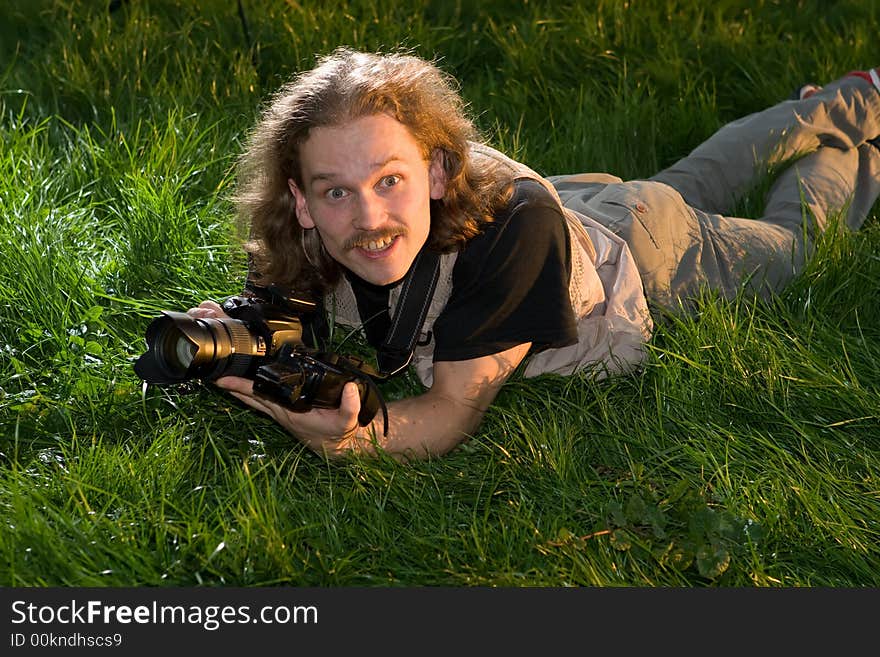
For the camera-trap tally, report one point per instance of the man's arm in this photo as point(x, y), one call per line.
point(430, 424)
point(435, 422)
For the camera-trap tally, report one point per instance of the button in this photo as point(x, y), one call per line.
point(641, 207)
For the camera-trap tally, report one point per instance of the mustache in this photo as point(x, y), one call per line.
point(363, 238)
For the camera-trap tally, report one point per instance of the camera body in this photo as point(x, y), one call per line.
point(262, 339)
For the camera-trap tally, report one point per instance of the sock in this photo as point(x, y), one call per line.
point(869, 75)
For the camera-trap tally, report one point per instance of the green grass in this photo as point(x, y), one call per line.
point(747, 453)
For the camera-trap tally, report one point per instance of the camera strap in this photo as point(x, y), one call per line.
point(396, 350)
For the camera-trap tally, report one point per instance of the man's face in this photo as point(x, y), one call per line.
point(367, 189)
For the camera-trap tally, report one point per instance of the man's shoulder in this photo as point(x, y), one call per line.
point(531, 217)
point(515, 168)
point(531, 206)
point(531, 192)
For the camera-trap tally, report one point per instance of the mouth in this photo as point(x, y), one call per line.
point(376, 247)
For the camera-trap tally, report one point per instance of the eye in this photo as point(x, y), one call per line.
point(336, 193)
point(389, 181)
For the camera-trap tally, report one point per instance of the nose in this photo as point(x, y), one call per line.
point(371, 212)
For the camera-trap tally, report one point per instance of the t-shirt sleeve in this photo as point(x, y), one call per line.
point(510, 283)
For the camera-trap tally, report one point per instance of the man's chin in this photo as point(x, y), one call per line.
point(379, 277)
point(382, 281)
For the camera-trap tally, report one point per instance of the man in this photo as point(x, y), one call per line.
point(366, 163)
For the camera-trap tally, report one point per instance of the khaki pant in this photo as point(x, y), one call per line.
point(676, 222)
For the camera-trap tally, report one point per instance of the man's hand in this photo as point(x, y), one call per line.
point(207, 310)
point(331, 432)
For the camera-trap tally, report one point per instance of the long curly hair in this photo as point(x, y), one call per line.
point(347, 85)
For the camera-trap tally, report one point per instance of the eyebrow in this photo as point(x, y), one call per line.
point(317, 177)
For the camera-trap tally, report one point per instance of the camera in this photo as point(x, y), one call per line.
point(264, 339)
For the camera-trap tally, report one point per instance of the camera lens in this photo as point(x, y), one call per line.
point(177, 351)
point(185, 352)
point(181, 347)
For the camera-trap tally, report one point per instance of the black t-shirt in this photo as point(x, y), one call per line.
point(509, 285)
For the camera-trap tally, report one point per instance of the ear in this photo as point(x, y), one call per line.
point(437, 174)
point(302, 207)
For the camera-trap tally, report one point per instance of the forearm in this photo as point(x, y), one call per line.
point(427, 425)
point(418, 427)
point(436, 422)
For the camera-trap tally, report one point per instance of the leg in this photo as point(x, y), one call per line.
point(826, 183)
point(680, 249)
point(843, 115)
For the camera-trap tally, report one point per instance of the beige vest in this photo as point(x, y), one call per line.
point(605, 291)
